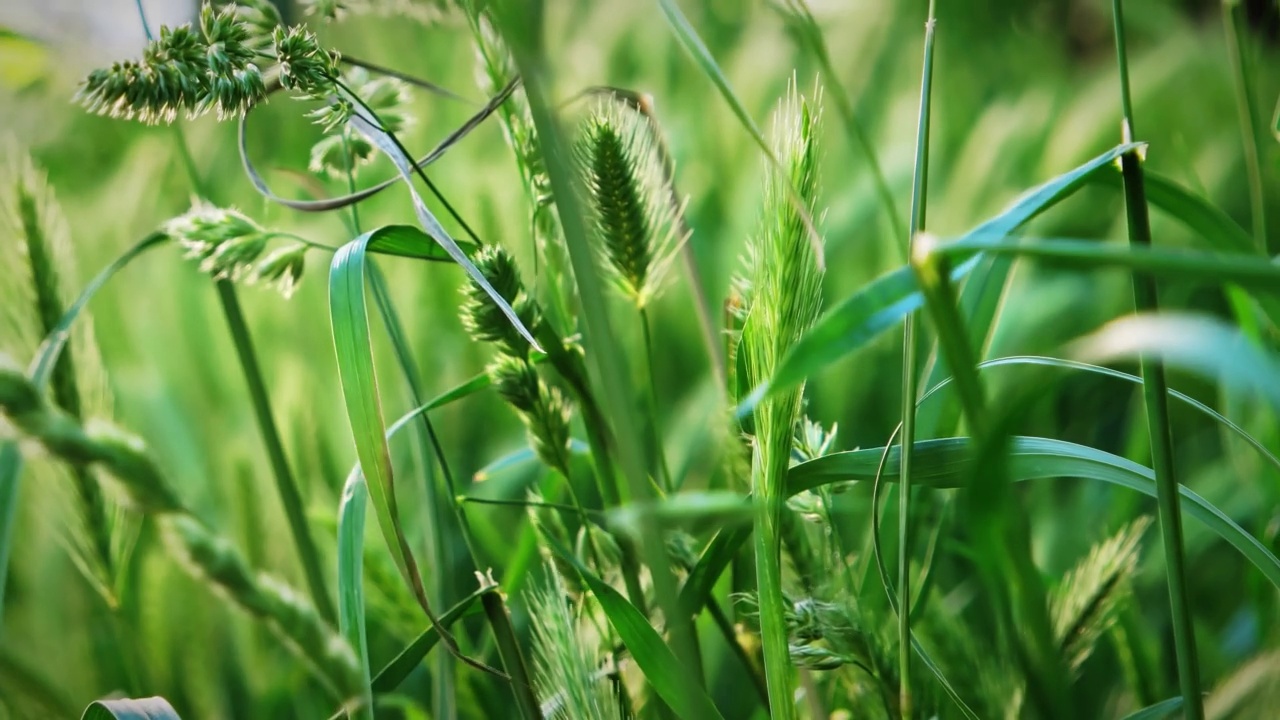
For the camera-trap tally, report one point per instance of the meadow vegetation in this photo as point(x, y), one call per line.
point(794, 359)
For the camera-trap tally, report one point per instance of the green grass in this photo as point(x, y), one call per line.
point(732, 491)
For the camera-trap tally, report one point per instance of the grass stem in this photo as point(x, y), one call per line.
point(1155, 395)
point(910, 380)
point(1232, 20)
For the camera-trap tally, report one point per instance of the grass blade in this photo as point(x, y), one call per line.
point(351, 512)
point(944, 464)
point(661, 668)
point(10, 475)
point(395, 672)
point(696, 48)
point(152, 708)
point(1160, 710)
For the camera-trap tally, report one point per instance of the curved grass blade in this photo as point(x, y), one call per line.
point(1100, 370)
point(1193, 343)
point(343, 201)
point(1253, 272)
point(943, 464)
point(666, 675)
point(1160, 710)
point(368, 127)
point(693, 44)
point(358, 379)
point(1211, 224)
point(152, 708)
point(351, 512)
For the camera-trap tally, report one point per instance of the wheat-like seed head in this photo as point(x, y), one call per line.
point(543, 409)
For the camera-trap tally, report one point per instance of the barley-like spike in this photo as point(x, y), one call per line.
point(567, 658)
point(215, 560)
point(1085, 603)
point(100, 535)
point(786, 286)
point(63, 436)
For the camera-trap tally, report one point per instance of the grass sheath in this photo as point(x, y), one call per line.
point(1156, 399)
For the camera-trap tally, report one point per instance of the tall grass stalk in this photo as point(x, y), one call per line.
point(1247, 110)
point(1156, 399)
point(785, 286)
point(286, 484)
point(522, 27)
point(910, 379)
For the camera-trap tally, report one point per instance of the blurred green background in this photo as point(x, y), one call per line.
point(1024, 90)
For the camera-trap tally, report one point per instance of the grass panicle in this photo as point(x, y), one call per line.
point(341, 155)
point(230, 245)
point(567, 658)
point(483, 319)
point(785, 297)
point(543, 409)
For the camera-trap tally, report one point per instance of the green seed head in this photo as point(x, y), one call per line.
point(282, 268)
point(635, 223)
point(481, 316)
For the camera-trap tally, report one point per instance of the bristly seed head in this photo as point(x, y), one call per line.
point(481, 316)
point(230, 245)
point(543, 409)
point(347, 151)
point(635, 221)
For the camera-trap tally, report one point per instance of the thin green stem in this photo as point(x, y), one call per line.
point(1232, 17)
point(651, 399)
point(910, 380)
point(853, 128)
point(1156, 398)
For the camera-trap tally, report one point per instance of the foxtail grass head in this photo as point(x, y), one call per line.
point(634, 216)
point(483, 319)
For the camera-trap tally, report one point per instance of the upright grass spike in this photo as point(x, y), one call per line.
point(1155, 399)
point(637, 229)
point(101, 537)
point(567, 659)
point(910, 379)
point(785, 297)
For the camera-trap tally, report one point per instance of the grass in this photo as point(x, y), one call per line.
point(626, 491)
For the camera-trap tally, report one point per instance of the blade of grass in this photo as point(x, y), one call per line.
point(1246, 108)
point(1162, 709)
point(883, 303)
point(359, 384)
point(697, 49)
point(661, 668)
point(351, 512)
point(10, 475)
point(1156, 399)
point(152, 708)
point(946, 463)
point(910, 378)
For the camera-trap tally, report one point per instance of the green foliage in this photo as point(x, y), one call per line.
point(596, 514)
